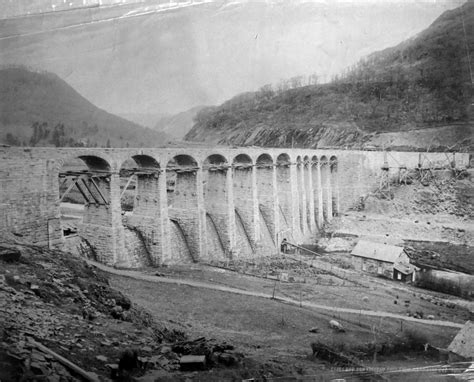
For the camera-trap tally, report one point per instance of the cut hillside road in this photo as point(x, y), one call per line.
point(199, 284)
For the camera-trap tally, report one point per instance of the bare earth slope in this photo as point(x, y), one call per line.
point(440, 210)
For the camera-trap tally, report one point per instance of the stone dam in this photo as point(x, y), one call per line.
point(192, 204)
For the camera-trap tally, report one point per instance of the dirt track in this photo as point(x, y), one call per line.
point(199, 284)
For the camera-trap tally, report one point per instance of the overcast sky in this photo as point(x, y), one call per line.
point(143, 59)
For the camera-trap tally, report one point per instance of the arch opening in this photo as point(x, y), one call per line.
point(82, 181)
point(308, 194)
point(333, 167)
point(215, 162)
point(264, 160)
point(244, 204)
point(317, 191)
point(216, 202)
point(301, 194)
point(326, 187)
point(140, 208)
point(182, 200)
point(95, 163)
point(283, 160)
point(266, 197)
point(285, 198)
point(242, 162)
point(180, 165)
point(138, 182)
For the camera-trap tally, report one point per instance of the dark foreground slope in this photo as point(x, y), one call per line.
point(423, 83)
point(43, 110)
point(55, 299)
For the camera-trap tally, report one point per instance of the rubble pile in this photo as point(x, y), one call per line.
point(51, 303)
point(444, 196)
point(438, 193)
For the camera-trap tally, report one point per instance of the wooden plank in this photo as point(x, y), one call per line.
point(90, 192)
point(126, 186)
point(82, 192)
point(68, 190)
point(72, 366)
point(99, 191)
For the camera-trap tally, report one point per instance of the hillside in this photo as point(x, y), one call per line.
point(178, 125)
point(423, 83)
point(40, 109)
point(144, 59)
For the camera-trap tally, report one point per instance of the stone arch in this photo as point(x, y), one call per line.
point(266, 195)
point(73, 171)
point(285, 198)
point(91, 158)
point(333, 167)
point(301, 194)
point(242, 160)
point(217, 200)
point(88, 182)
point(141, 204)
point(283, 160)
point(183, 161)
point(145, 161)
point(308, 194)
point(214, 160)
point(245, 204)
point(326, 186)
point(95, 163)
point(317, 191)
point(183, 207)
point(264, 160)
point(139, 173)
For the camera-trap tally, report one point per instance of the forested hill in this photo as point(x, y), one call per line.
point(40, 109)
point(423, 83)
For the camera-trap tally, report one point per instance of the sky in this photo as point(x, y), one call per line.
point(163, 57)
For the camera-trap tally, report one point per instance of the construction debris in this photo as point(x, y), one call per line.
point(192, 362)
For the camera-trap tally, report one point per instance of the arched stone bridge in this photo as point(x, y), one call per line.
point(191, 204)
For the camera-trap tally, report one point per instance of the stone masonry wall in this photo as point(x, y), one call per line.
point(29, 196)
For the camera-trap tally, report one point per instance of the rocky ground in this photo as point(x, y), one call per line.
point(53, 305)
point(437, 208)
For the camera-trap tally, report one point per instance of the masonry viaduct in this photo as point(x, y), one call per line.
point(193, 204)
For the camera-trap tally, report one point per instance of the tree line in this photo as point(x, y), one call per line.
point(42, 134)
